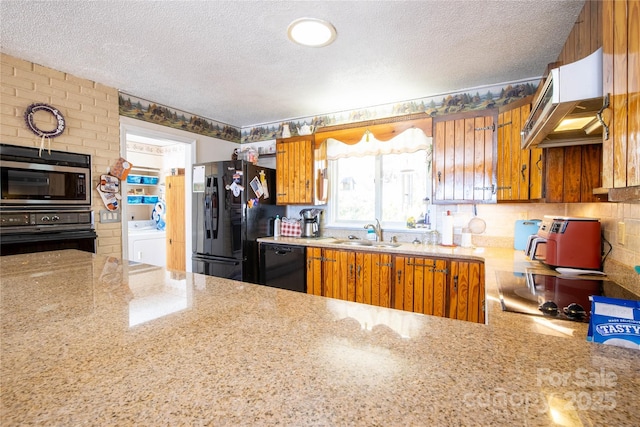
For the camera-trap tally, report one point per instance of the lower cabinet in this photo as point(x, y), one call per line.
point(465, 288)
point(363, 277)
point(420, 285)
point(434, 286)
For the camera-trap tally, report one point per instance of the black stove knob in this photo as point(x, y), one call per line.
point(575, 310)
point(549, 308)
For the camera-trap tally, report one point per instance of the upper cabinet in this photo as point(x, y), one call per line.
point(301, 167)
point(572, 173)
point(556, 175)
point(464, 159)
point(614, 25)
point(621, 74)
point(519, 171)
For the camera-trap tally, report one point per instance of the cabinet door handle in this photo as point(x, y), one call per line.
point(538, 162)
point(605, 127)
point(439, 176)
point(399, 276)
point(455, 283)
point(524, 168)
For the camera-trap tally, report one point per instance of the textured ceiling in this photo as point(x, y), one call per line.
point(231, 61)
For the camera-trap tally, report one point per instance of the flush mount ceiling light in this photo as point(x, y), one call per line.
point(311, 32)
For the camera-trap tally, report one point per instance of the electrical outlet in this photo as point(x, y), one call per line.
point(622, 236)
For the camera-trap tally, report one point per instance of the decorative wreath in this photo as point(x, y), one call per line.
point(28, 117)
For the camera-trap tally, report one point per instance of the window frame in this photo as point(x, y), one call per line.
point(334, 184)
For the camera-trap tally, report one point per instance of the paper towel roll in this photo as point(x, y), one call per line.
point(447, 229)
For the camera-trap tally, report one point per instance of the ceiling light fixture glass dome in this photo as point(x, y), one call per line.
point(311, 32)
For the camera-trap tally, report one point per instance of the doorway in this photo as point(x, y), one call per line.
point(155, 153)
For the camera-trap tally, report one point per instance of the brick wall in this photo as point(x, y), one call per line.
point(92, 123)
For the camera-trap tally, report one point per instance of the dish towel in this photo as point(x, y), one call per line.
point(290, 227)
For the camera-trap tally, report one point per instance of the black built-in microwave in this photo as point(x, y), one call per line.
point(33, 177)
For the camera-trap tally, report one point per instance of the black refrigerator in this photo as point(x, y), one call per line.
point(234, 203)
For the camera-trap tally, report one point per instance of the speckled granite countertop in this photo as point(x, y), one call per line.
point(89, 340)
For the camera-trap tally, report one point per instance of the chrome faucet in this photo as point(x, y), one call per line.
point(377, 229)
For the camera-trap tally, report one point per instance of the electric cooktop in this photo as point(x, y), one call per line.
point(561, 297)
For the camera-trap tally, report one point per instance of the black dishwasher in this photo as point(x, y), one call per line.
point(282, 266)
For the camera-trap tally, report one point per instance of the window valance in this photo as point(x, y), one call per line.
point(409, 141)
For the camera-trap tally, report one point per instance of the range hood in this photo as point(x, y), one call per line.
point(565, 111)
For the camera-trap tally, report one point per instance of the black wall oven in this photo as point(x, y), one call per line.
point(46, 201)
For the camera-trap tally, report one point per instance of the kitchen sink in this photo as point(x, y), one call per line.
point(354, 242)
point(367, 243)
point(386, 245)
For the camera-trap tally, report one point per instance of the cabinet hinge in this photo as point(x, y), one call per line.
point(493, 188)
point(492, 127)
point(417, 264)
point(384, 264)
point(503, 124)
point(444, 270)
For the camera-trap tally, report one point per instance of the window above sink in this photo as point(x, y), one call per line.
point(379, 179)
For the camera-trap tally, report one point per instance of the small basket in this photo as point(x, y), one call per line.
point(290, 227)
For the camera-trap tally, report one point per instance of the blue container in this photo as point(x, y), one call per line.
point(150, 180)
point(149, 199)
point(134, 200)
point(134, 179)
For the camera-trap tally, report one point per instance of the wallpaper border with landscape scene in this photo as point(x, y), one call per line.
point(474, 99)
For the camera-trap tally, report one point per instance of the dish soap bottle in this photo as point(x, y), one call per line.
point(276, 226)
point(371, 234)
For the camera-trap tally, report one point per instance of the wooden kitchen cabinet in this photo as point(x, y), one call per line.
point(373, 278)
point(301, 171)
point(349, 275)
point(621, 75)
point(324, 272)
point(464, 158)
point(434, 286)
point(465, 289)
point(175, 229)
point(519, 172)
point(439, 287)
point(420, 285)
point(314, 271)
point(571, 173)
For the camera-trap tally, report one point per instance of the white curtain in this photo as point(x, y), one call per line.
point(409, 141)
